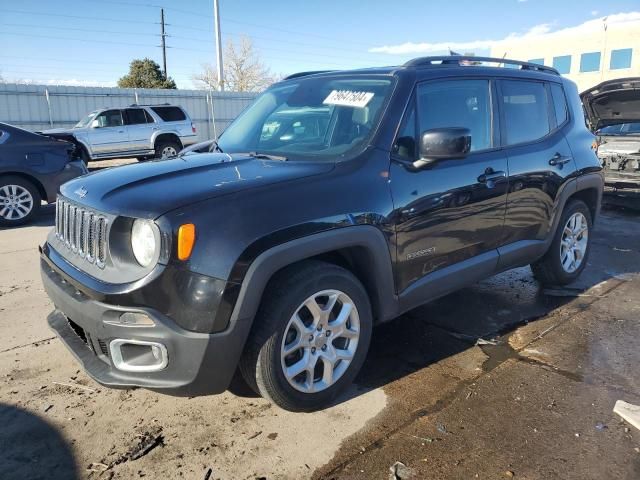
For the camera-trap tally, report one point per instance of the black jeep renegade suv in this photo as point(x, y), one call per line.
point(336, 201)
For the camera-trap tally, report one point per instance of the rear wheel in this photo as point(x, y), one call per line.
point(311, 336)
point(569, 251)
point(167, 149)
point(19, 201)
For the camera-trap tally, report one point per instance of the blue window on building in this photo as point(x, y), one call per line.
point(590, 62)
point(620, 58)
point(539, 61)
point(562, 63)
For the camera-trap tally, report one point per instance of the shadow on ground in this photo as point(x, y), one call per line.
point(31, 448)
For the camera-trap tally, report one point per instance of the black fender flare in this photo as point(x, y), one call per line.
point(270, 261)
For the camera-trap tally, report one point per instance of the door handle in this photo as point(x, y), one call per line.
point(559, 160)
point(490, 177)
point(155, 128)
point(120, 131)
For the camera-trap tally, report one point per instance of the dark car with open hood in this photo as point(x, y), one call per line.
point(613, 112)
point(32, 168)
point(338, 200)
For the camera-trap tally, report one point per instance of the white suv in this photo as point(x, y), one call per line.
point(142, 131)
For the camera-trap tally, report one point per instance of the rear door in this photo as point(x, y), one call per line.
point(453, 210)
point(534, 114)
point(110, 136)
point(140, 126)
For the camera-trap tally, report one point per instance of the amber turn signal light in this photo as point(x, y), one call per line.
point(186, 240)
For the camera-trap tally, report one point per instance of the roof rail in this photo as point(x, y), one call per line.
point(304, 74)
point(459, 59)
point(149, 104)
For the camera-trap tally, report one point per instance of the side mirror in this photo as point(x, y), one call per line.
point(443, 144)
point(95, 123)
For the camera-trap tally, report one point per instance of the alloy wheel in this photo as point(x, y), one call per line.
point(320, 341)
point(169, 151)
point(573, 245)
point(16, 202)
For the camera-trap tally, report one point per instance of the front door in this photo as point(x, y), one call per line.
point(108, 134)
point(452, 210)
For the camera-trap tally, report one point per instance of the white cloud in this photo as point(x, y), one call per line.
point(522, 1)
point(529, 35)
point(594, 13)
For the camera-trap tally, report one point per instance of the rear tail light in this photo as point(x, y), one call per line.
point(193, 127)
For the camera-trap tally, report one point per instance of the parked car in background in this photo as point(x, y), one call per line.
point(140, 131)
point(32, 168)
point(336, 201)
point(613, 111)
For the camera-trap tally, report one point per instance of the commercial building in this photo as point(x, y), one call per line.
point(598, 50)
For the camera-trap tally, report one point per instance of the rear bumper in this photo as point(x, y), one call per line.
point(198, 363)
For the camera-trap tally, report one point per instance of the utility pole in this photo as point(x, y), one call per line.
point(216, 21)
point(164, 46)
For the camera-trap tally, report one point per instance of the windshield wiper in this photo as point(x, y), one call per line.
point(267, 156)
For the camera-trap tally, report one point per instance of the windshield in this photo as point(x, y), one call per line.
point(309, 118)
point(632, 128)
point(86, 120)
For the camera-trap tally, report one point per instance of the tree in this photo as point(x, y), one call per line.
point(243, 70)
point(145, 74)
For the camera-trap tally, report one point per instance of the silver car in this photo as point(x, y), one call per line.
point(142, 131)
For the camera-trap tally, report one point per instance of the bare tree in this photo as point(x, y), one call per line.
point(244, 71)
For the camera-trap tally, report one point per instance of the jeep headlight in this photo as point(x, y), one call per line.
point(143, 242)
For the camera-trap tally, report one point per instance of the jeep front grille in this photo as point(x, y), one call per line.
point(82, 231)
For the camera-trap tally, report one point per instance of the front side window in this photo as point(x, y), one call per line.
point(590, 62)
point(620, 58)
point(526, 115)
point(457, 103)
point(310, 118)
point(110, 118)
point(405, 145)
point(562, 63)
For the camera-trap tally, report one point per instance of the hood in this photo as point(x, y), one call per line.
point(54, 131)
point(150, 189)
point(612, 102)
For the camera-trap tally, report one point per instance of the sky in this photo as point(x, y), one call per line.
point(91, 42)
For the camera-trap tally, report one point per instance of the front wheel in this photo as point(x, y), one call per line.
point(569, 251)
point(310, 337)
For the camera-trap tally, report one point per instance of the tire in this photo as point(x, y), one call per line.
point(167, 149)
point(263, 362)
point(19, 201)
point(550, 269)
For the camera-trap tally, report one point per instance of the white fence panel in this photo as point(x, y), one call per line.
point(38, 107)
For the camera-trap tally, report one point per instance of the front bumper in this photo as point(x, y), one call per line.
point(198, 363)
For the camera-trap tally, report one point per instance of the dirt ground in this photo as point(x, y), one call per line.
point(532, 399)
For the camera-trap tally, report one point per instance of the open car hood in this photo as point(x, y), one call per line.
point(612, 102)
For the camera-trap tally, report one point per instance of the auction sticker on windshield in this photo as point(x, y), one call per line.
point(348, 98)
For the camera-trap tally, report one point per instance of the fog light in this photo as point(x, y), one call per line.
point(138, 355)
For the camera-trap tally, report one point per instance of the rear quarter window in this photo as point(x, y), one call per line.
point(170, 114)
point(559, 104)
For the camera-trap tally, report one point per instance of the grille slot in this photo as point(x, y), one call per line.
point(82, 231)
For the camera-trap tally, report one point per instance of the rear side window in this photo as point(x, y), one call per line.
point(525, 108)
point(457, 103)
point(170, 114)
point(136, 116)
point(559, 104)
